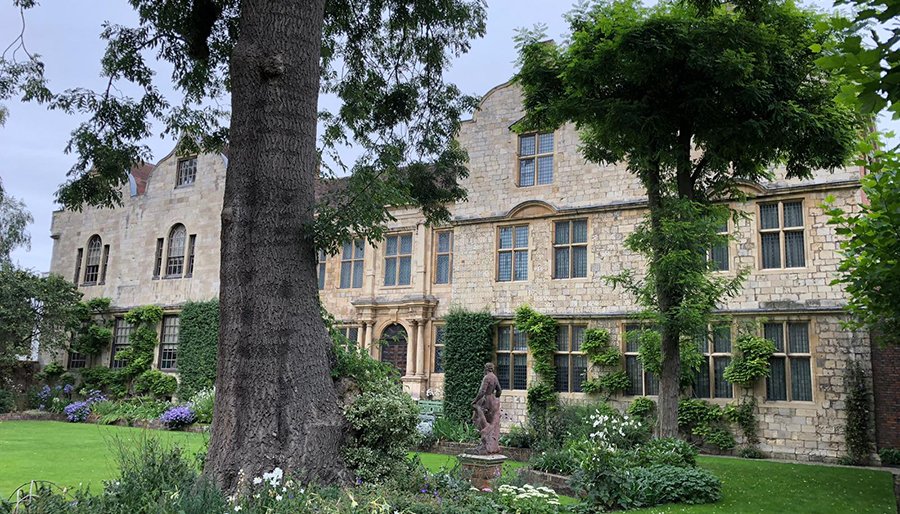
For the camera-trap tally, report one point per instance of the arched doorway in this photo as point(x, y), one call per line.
point(393, 347)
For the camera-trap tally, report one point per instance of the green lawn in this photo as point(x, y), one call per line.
point(69, 454)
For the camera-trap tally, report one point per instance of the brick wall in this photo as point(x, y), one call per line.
point(886, 386)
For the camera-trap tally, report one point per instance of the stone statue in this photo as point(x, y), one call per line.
point(486, 412)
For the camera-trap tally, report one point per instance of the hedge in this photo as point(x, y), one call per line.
point(198, 341)
point(468, 345)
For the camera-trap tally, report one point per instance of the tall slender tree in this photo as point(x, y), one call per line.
point(696, 99)
point(384, 60)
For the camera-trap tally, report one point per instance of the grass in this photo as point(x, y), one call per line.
point(69, 454)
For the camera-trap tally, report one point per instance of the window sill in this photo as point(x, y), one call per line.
point(785, 404)
point(88, 284)
point(185, 186)
point(772, 271)
point(535, 185)
point(511, 281)
point(172, 277)
point(397, 287)
point(572, 279)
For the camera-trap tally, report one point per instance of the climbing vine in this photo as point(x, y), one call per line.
point(541, 330)
point(468, 345)
point(856, 431)
point(751, 361)
point(95, 331)
point(744, 416)
point(142, 342)
point(651, 358)
point(602, 355)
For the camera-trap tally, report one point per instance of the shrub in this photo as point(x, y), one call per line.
point(77, 412)
point(642, 407)
point(658, 485)
point(668, 451)
point(560, 462)
point(50, 372)
point(530, 499)
point(751, 452)
point(445, 429)
point(178, 417)
point(468, 345)
point(383, 427)
point(889, 456)
point(859, 445)
point(7, 401)
point(203, 404)
point(744, 415)
point(518, 437)
point(198, 340)
point(97, 378)
point(155, 382)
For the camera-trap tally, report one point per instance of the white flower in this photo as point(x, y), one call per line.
point(257, 481)
point(278, 498)
point(238, 508)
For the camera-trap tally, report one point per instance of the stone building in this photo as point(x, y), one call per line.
point(541, 227)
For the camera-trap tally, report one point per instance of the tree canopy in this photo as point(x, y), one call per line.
point(697, 99)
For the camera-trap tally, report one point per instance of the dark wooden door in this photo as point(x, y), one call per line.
point(393, 348)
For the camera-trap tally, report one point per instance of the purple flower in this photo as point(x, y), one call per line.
point(178, 417)
point(41, 407)
point(68, 388)
point(77, 412)
point(58, 388)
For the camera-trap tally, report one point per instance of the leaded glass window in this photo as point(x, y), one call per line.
point(444, 257)
point(121, 333)
point(168, 344)
point(718, 254)
point(187, 172)
point(175, 253)
point(570, 249)
point(782, 240)
point(512, 358)
point(512, 254)
point(569, 361)
point(709, 381)
point(92, 263)
point(352, 258)
point(398, 260)
point(322, 260)
point(440, 333)
point(535, 159)
point(790, 369)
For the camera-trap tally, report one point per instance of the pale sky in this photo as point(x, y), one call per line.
point(66, 34)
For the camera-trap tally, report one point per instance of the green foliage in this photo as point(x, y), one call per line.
point(610, 383)
point(203, 403)
point(468, 345)
point(133, 409)
point(94, 333)
point(445, 429)
point(751, 361)
point(720, 437)
point(642, 407)
point(596, 346)
point(651, 358)
point(68, 379)
point(744, 415)
point(540, 397)
point(7, 401)
point(383, 423)
point(141, 343)
point(541, 330)
point(156, 383)
point(856, 431)
point(14, 221)
point(889, 456)
point(704, 421)
point(50, 372)
point(640, 84)
point(669, 451)
point(870, 245)
point(98, 378)
point(660, 484)
point(33, 308)
point(198, 340)
point(558, 462)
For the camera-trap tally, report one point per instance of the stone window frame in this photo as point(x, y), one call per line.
point(186, 177)
point(93, 260)
point(535, 158)
point(438, 254)
point(158, 258)
point(321, 268)
point(357, 257)
point(570, 245)
point(76, 360)
point(631, 354)
point(122, 330)
point(394, 259)
point(781, 230)
point(812, 342)
point(191, 250)
point(350, 330)
point(168, 343)
point(104, 265)
point(174, 262)
point(79, 257)
point(726, 247)
point(571, 354)
point(513, 251)
point(710, 355)
point(514, 354)
point(437, 359)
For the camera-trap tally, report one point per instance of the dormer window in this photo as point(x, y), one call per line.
point(187, 172)
point(535, 159)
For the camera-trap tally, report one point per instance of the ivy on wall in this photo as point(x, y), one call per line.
point(95, 332)
point(468, 345)
point(541, 330)
point(857, 429)
point(601, 354)
point(198, 343)
point(142, 342)
point(751, 361)
point(651, 358)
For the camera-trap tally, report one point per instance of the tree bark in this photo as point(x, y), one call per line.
point(275, 402)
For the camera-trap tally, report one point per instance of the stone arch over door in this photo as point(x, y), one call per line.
point(394, 346)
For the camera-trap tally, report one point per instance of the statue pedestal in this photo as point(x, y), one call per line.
point(481, 469)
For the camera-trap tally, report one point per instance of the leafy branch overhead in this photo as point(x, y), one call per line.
point(383, 60)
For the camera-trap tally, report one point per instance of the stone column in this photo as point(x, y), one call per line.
point(411, 350)
point(370, 327)
point(420, 349)
point(361, 334)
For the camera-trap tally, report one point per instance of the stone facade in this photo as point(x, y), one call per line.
point(607, 198)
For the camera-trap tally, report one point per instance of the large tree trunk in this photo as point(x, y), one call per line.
point(275, 402)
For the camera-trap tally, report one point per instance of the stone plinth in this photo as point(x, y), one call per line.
point(480, 470)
